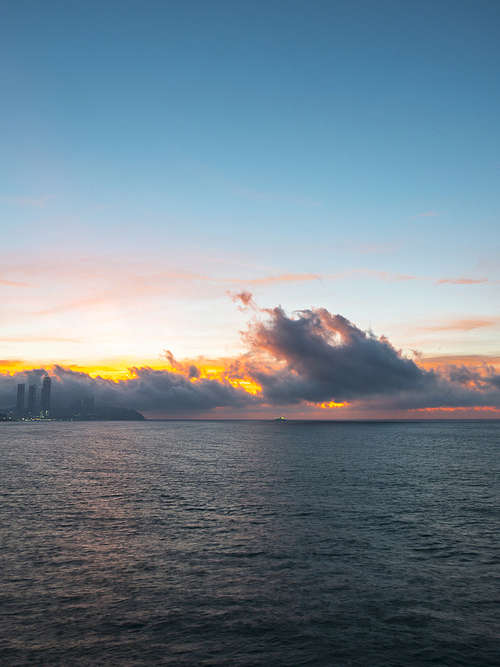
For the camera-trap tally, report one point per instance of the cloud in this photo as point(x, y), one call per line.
point(312, 357)
point(308, 277)
point(10, 282)
point(464, 325)
point(245, 298)
point(324, 358)
point(469, 360)
point(284, 278)
point(147, 390)
point(190, 370)
point(465, 281)
point(35, 286)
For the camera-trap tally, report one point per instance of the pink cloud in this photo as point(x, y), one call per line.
point(465, 281)
point(10, 282)
point(465, 324)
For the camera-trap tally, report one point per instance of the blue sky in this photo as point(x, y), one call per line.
point(157, 155)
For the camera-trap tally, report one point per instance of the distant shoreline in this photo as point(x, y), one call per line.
point(67, 415)
point(92, 418)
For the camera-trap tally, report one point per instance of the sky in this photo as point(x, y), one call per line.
point(197, 184)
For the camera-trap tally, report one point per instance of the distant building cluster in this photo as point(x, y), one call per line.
point(78, 410)
point(32, 411)
point(42, 410)
point(83, 407)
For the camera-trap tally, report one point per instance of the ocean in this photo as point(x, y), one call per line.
point(250, 543)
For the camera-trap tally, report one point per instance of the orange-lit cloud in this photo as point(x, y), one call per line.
point(332, 404)
point(466, 281)
point(459, 360)
point(459, 410)
point(244, 299)
point(11, 365)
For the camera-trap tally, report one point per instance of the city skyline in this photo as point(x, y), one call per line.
point(29, 411)
point(196, 198)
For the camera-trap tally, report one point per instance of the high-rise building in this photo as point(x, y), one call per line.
point(88, 405)
point(20, 400)
point(45, 397)
point(31, 399)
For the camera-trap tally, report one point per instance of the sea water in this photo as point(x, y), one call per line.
point(250, 543)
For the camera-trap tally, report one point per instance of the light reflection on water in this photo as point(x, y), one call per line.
point(250, 543)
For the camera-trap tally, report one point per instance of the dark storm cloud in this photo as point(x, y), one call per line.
point(162, 390)
point(495, 380)
point(482, 378)
point(463, 375)
point(324, 358)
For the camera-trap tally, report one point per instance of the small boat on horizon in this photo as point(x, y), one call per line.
point(280, 419)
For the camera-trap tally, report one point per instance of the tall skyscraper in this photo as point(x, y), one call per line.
point(31, 399)
point(20, 400)
point(88, 405)
point(45, 397)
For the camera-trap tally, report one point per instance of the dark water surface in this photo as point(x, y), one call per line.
point(250, 543)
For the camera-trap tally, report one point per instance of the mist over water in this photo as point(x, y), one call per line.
point(250, 543)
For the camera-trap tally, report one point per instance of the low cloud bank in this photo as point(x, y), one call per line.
point(312, 357)
point(156, 391)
